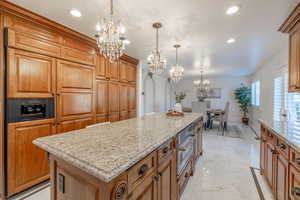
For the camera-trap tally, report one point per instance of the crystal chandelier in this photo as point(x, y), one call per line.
point(110, 37)
point(176, 71)
point(203, 87)
point(157, 63)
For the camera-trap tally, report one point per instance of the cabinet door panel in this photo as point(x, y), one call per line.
point(294, 60)
point(101, 66)
point(123, 98)
point(27, 163)
point(132, 98)
point(71, 125)
point(147, 190)
point(263, 156)
point(123, 71)
point(294, 179)
point(113, 69)
point(74, 77)
point(131, 73)
point(113, 117)
point(269, 164)
point(78, 56)
point(167, 180)
point(113, 97)
point(30, 75)
point(281, 174)
point(101, 97)
point(23, 40)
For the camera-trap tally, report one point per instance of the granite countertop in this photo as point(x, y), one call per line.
point(107, 151)
point(288, 131)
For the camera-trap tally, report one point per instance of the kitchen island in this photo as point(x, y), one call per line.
point(142, 158)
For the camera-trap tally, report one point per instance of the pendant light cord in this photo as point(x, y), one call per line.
point(111, 8)
point(157, 40)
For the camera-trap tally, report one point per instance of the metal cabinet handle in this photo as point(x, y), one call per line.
point(181, 149)
point(273, 151)
point(297, 160)
point(192, 135)
point(296, 191)
point(186, 175)
point(143, 169)
point(166, 150)
point(282, 146)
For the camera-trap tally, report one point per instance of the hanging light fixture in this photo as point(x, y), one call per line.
point(203, 87)
point(110, 37)
point(176, 71)
point(157, 63)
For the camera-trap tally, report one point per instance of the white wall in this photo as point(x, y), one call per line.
point(228, 85)
point(266, 74)
point(156, 93)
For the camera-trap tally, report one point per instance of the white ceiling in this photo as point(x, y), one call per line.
point(200, 26)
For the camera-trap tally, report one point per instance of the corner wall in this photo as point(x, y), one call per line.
point(266, 73)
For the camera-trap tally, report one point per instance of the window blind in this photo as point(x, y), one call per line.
point(277, 98)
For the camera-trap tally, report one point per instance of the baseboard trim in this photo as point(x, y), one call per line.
point(259, 190)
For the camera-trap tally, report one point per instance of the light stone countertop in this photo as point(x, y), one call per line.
point(107, 151)
point(287, 131)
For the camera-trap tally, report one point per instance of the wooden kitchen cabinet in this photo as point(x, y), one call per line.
point(132, 100)
point(113, 70)
point(123, 101)
point(270, 164)
point(113, 101)
point(294, 183)
point(131, 72)
point(27, 164)
point(30, 75)
point(101, 101)
point(281, 177)
point(167, 189)
point(292, 27)
point(74, 91)
point(72, 125)
point(123, 71)
point(101, 67)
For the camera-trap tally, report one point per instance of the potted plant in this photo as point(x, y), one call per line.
point(243, 97)
point(179, 97)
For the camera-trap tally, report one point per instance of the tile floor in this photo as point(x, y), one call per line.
point(223, 172)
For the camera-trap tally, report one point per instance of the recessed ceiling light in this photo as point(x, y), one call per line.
point(75, 13)
point(232, 10)
point(230, 41)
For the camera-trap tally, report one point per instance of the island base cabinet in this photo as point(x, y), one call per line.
point(281, 174)
point(147, 190)
point(294, 186)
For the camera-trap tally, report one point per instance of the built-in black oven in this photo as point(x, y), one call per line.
point(29, 109)
point(185, 146)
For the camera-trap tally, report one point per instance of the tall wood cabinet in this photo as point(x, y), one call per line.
point(48, 60)
point(292, 27)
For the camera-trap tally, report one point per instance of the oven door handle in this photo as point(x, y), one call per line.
point(181, 149)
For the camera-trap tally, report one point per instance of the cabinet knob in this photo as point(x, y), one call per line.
point(297, 160)
point(270, 135)
point(296, 191)
point(282, 146)
point(273, 151)
point(166, 150)
point(186, 175)
point(156, 178)
point(143, 169)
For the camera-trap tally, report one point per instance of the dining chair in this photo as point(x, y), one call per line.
point(98, 124)
point(225, 117)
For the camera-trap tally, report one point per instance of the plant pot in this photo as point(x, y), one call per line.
point(245, 120)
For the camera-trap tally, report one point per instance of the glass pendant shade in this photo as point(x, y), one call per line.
point(157, 64)
point(110, 37)
point(176, 71)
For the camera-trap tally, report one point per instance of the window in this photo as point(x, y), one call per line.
point(255, 93)
point(277, 97)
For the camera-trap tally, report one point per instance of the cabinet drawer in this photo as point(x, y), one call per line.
point(139, 171)
point(295, 158)
point(283, 148)
point(294, 186)
point(165, 151)
point(184, 178)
